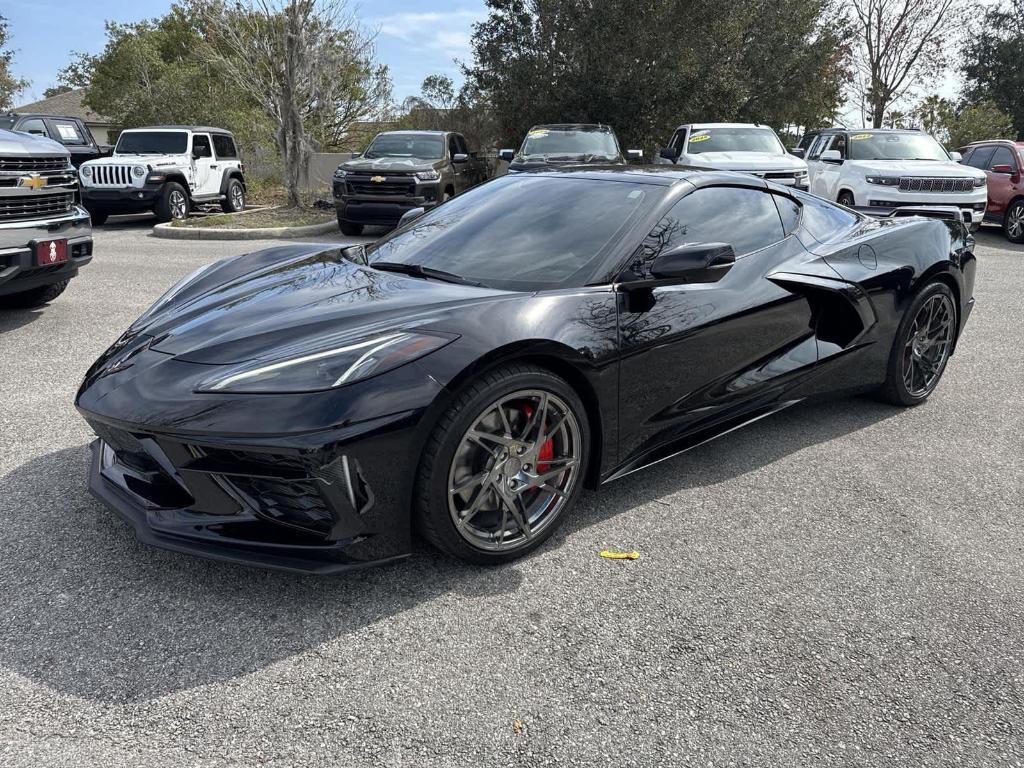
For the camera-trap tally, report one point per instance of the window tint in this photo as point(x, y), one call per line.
point(460, 143)
point(522, 232)
point(224, 146)
point(819, 145)
point(807, 140)
point(839, 144)
point(709, 216)
point(789, 212)
point(822, 219)
point(965, 156)
point(1002, 156)
point(201, 146)
point(677, 140)
point(152, 143)
point(980, 157)
point(35, 127)
point(453, 145)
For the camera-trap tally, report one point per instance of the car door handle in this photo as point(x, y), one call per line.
point(213, 165)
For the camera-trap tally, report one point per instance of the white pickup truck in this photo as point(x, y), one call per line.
point(889, 169)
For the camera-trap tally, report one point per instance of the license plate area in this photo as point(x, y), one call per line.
point(49, 252)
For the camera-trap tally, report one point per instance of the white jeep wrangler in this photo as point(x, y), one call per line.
point(167, 170)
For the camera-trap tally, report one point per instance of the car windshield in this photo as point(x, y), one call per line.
point(895, 146)
point(734, 139)
point(423, 146)
point(521, 232)
point(570, 144)
point(152, 143)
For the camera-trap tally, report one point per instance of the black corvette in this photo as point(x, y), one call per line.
point(308, 408)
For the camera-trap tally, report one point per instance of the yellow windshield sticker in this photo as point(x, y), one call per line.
point(859, 136)
point(537, 134)
point(700, 137)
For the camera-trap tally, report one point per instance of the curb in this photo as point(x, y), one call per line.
point(268, 233)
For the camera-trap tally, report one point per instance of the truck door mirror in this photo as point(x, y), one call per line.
point(507, 155)
point(832, 156)
point(798, 151)
point(669, 153)
point(634, 154)
point(460, 157)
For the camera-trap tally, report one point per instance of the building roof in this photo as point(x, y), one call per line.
point(68, 104)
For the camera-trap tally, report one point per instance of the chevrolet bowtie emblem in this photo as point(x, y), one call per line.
point(35, 181)
point(377, 179)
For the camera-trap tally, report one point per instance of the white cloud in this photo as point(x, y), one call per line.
point(447, 34)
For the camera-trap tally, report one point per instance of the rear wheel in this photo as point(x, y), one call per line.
point(846, 198)
point(98, 217)
point(923, 344)
point(36, 297)
point(234, 198)
point(504, 465)
point(348, 228)
point(173, 203)
point(1013, 222)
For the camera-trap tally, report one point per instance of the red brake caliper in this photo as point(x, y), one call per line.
point(547, 451)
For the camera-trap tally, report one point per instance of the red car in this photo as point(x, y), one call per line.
point(1003, 161)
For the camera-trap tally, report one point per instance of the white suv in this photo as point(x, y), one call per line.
point(166, 170)
point(743, 147)
point(893, 169)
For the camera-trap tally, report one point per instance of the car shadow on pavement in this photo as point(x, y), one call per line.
point(12, 318)
point(90, 612)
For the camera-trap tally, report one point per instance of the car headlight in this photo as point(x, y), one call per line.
point(428, 175)
point(980, 182)
point(800, 174)
point(340, 174)
point(327, 368)
point(86, 171)
point(139, 171)
point(885, 181)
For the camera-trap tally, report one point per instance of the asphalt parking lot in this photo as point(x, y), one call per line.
point(840, 584)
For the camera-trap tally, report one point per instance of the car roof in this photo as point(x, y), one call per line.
point(725, 125)
point(193, 128)
point(417, 133)
point(1000, 142)
point(659, 175)
point(867, 130)
point(597, 127)
point(15, 113)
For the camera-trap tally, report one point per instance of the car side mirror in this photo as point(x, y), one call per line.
point(798, 151)
point(694, 263)
point(956, 157)
point(669, 153)
point(507, 155)
point(1003, 168)
point(832, 156)
point(411, 215)
point(197, 153)
point(460, 157)
point(634, 154)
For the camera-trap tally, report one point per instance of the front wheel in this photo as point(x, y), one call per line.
point(923, 344)
point(1013, 222)
point(36, 297)
point(173, 203)
point(846, 198)
point(503, 466)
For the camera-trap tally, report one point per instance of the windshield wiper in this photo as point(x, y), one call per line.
point(418, 270)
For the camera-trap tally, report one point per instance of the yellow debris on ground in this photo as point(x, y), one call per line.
point(609, 554)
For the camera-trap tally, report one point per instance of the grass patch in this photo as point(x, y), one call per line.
point(269, 219)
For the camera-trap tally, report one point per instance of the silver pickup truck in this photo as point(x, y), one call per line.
point(45, 234)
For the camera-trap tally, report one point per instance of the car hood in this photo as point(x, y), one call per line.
point(917, 168)
point(391, 164)
point(17, 144)
point(747, 161)
point(152, 161)
point(247, 307)
point(541, 161)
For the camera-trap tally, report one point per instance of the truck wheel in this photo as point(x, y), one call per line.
point(348, 228)
point(1013, 222)
point(173, 203)
point(99, 218)
point(234, 199)
point(36, 297)
point(846, 198)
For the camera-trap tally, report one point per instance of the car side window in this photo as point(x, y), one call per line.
point(201, 146)
point(68, 132)
point(965, 156)
point(708, 215)
point(224, 146)
point(980, 157)
point(34, 126)
point(1002, 156)
point(453, 146)
point(789, 212)
point(806, 141)
point(678, 139)
point(839, 144)
point(822, 219)
point(819, 145)
point(460, 142)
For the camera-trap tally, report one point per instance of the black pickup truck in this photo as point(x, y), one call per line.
point(400, 171)
point(69, 131)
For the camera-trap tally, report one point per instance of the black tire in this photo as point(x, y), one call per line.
point(846, 198)
point(99, 218)
point(895, 389)
point(234, 197)
point(168, 207)
point(348, 228)
point(1013, 222)
point(433, 518)
point(36, 297)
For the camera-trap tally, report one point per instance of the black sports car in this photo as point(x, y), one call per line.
point(308, 407)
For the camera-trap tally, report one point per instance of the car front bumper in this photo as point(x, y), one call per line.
point(18, 270)
point(126, 199)
point(383, 209)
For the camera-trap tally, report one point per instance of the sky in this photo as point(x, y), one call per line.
point(415, 38)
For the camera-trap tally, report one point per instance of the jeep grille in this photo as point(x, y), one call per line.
point(111, 176)
point(940, 184)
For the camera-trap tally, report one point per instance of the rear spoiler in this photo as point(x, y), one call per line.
point(946, 212)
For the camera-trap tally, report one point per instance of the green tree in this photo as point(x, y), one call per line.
point(648, 65)
point(973, 122)
point(993, 61)
point(10, 86)
point(56, 90)
point(439, 107)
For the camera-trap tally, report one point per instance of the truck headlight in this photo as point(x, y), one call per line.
point(885, 181)
point(428, 175)
point(321, 368)
point(980, 182)
point(340, 174)
point(139, 171)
